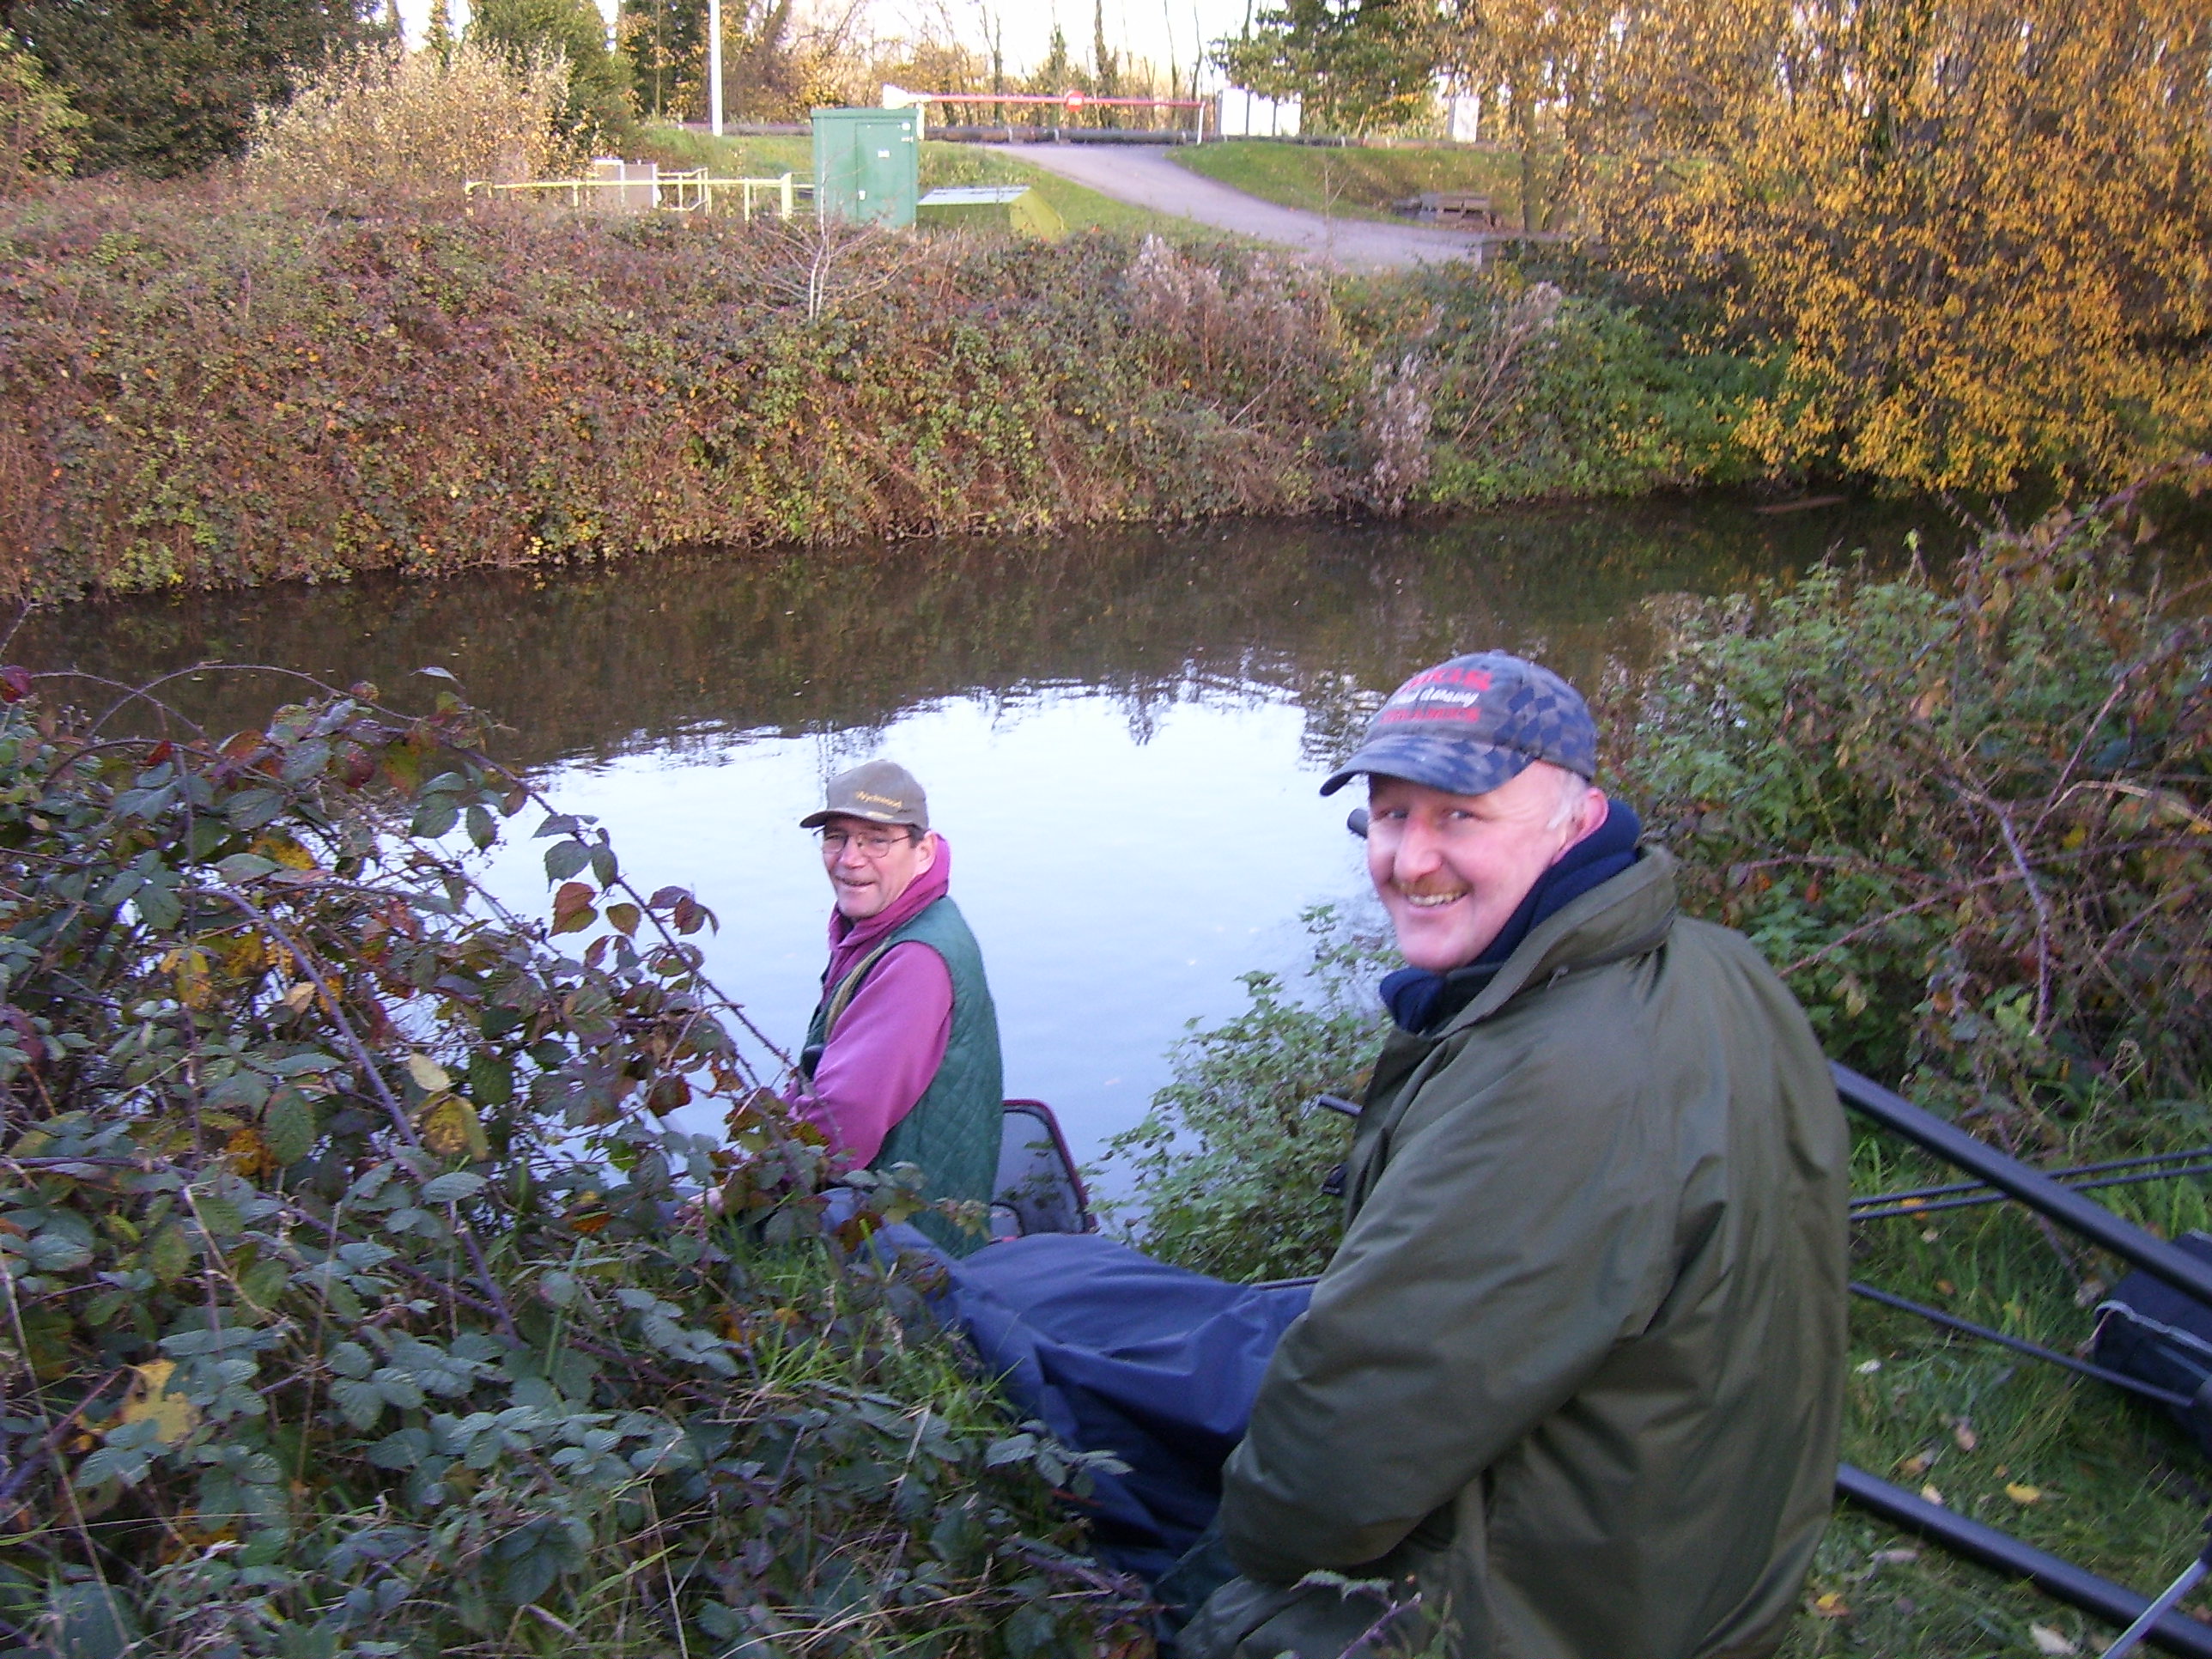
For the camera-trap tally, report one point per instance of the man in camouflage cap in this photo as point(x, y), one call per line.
point(1570, 1386)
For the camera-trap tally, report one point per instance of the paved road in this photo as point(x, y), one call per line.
point(1145, 176)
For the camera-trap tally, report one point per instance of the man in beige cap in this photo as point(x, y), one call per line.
point(901, 1058)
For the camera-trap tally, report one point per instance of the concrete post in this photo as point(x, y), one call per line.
point(714, 64)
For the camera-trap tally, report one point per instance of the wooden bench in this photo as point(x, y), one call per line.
point(1452, 207)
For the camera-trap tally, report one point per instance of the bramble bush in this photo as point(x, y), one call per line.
point(1230, 1162)
point(251, 395)
point(350, 1305)
point(227, 392)
point(1969, 817)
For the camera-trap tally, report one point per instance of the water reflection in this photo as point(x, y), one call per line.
point(1121, 734)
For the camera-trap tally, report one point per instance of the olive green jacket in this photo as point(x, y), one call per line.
point(1578, 1364)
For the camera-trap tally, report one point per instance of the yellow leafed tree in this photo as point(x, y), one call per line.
point(388, 123)
point(1984, 230)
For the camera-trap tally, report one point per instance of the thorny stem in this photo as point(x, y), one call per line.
point(392, 1108)
point(37, 1458)
point(2043, 922)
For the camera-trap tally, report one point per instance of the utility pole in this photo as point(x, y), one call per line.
point(714, 65)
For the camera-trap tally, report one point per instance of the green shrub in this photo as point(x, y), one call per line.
point(1603, 407)
point(1968, 816)
point(1229, 1164)
point(40, 133)
point(349, 1307)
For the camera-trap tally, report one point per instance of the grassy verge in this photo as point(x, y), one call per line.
point(941, 164)
point(2066, 1464)
point(1357, 184)
point(1970, 818)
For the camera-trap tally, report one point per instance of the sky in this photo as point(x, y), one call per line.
point(1151, 28)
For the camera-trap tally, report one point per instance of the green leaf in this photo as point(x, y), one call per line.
point(1014, 1448)
point(158, 907)
point(250, 809)
point(309, 760)
point(1031, 1629)
point(245, 866)
point(263, 1283)
point(246, 1089)
point(169, 1257)
point(603, 868)
point(92, 1620)
point(435, 816)
point(54, 1253)
point(564, 858)
point(491, 1080)
point(289, 1127)
point(361, 1400)
point(529, 1576)
point(451, 1188)
point(484, 830)
point(402, 1448)
point(120, 886)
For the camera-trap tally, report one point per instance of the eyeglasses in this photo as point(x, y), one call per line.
point(872, 843)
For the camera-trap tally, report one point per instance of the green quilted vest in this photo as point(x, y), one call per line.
point(953, 1133)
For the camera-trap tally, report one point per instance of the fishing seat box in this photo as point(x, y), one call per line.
point(2150, 1331)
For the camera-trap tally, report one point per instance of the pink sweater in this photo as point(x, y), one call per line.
point(890, 1039)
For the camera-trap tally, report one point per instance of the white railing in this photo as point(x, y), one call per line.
point(696, 191)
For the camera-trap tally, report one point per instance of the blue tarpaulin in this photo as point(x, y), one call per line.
point(1116, 1352)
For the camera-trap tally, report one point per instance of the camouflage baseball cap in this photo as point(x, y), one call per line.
point(1469, 724)
point(880, 791)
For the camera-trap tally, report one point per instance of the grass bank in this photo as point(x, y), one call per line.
point(205, 389)
point(1360, 182)
point(1970, 819)
point(765, 155)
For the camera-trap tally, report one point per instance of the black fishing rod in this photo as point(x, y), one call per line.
point(2021, 1344)
point(1905, 1195)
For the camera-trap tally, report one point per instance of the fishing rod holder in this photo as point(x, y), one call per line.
point(2148, 1620)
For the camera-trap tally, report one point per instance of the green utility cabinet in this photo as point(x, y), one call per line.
point(867, 165)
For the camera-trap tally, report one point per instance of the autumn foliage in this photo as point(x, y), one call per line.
point(213, 395)
point(1980, 228)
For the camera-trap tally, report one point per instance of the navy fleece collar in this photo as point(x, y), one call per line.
point(1419, 999)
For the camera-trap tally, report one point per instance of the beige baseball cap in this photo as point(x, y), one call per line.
point(880, 791)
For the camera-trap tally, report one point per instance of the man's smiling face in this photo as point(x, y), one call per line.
point(1452, 869)
point(870, 865)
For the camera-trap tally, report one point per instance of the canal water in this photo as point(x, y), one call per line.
point(1122, 734)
